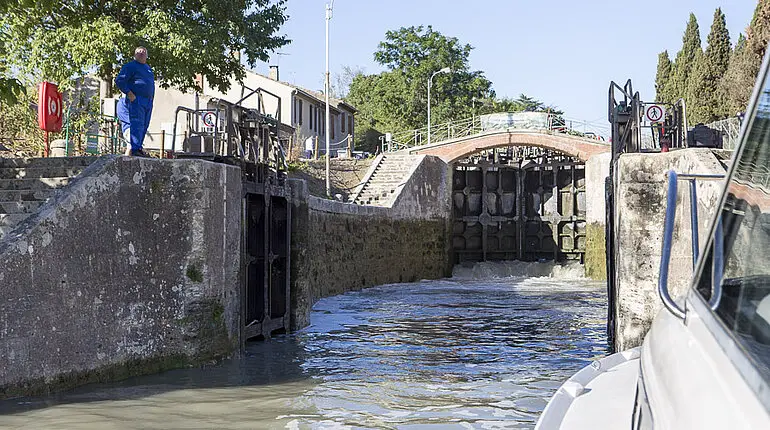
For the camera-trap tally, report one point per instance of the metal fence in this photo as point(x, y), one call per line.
point(730, 129)
point(538, 121)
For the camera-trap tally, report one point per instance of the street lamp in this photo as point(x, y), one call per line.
point(329, 7)
point(430, 83)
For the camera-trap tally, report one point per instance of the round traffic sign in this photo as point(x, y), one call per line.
point(655, 113)
point(209, 119)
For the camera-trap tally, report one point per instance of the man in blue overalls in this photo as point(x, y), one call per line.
point(137, 82)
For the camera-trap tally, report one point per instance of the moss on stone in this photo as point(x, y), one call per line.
point(194, 274)
point(596, 257)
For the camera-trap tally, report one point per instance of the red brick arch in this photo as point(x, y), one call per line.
point(456, 149)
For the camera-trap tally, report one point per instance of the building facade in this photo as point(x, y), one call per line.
point(296, 107)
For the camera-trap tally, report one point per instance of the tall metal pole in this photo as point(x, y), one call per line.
point(329, 7)
point(429, 82)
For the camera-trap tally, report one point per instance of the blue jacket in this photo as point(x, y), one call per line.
point(137, 78)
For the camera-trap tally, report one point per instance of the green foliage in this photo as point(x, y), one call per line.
point(738, 82)
point(707, 105)
point(662, 77)
point(758, 34)
point(10, 88)
point(745, 61)
point(396, 99)
point(18, 121)
point(685, 60)
point(18, 125)
point(59, 40)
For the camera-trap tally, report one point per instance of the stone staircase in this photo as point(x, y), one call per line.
point(27, 183)
point(390, 172)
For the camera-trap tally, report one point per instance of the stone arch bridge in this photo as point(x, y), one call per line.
point(452, 150)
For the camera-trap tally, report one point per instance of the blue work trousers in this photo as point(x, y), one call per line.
point(134, 119)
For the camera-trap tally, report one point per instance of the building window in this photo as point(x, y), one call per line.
point(300, 112)
point(312, 118)
point(342, 123)
point(334, 121)
point(350, 125)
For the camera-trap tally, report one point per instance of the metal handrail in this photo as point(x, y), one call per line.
point(475, 125)
point(665, 254)
point(668, 233)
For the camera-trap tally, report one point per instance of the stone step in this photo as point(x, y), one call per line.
point(70, 162)
point(381, 194)
point(33, 183)
point(388, 177)
point(393, 157)
point(25, 195)
point(38, 172)
point(20, 207)
point(392, 170)
point(12, 219)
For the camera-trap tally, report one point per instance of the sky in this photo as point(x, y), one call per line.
point(562, 52)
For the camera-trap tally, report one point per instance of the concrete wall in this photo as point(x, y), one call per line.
point(641, 205)
point(135, 269)
point(339, 247)
point(597, 169)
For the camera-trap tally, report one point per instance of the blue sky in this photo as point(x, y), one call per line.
point(563, 52)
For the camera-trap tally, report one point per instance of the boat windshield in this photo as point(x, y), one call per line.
point(739, 263)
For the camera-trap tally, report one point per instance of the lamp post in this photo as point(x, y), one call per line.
point(430, 83)
point(329, 7)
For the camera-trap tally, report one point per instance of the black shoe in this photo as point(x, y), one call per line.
point(139, 153)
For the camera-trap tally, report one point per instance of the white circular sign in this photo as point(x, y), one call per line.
point(209, 119)
point(655, 113)
point(53, 107)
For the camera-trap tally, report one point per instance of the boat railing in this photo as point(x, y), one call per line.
point(668, 234)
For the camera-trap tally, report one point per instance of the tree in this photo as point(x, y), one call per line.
point(707, 105)
point(696, 90)
point(10, 88)
point(662, 77)
point(742, 72)
point(59, 40)
point(685, 59)
point(758, 33)
point(396, 99)
point(738, 82)
point(340, 83)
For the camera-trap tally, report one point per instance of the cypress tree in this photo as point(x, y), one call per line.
point(735, 87)
point(662, 77)
point(685, 59)
point(746, 60)
point(695, 96)
point(706, 104)
point(758, 33)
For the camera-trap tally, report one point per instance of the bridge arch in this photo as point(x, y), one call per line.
point(457, 149)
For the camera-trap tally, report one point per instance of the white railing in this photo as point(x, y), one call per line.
point(536, 121)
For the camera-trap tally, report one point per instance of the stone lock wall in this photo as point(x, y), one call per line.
point(339, 247)
point(134, 269)
point(640, 215)
point(597, 170)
